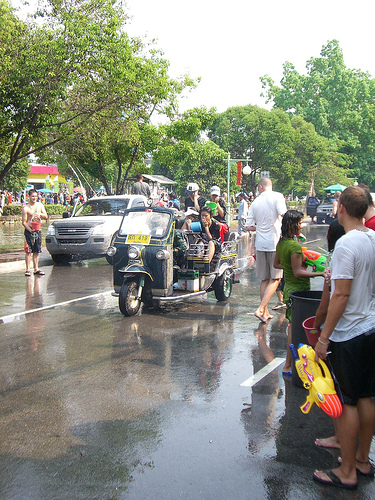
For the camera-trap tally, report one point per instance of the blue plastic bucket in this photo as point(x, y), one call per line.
point(196, 227)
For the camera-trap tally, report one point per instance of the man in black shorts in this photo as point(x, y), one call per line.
point(33, 212)
point(349, 333)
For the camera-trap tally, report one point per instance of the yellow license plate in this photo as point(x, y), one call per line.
point(144, 239)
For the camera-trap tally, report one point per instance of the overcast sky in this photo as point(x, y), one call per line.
point(231, 44)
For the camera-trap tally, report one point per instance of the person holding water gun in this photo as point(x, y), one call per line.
point(335, 231)
point(349, 335)
point(289, 258)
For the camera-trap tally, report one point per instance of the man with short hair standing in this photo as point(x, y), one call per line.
point(264, 217)
point(33, 211)
point(141, 187)
point(349, 334)
point(243, 209)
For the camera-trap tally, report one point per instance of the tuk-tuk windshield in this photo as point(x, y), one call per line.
point(148, 222)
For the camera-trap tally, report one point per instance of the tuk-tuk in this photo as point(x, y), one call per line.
point(145, 270)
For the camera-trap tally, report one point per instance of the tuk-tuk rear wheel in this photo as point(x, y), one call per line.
point(128, 302)
point(223, 288)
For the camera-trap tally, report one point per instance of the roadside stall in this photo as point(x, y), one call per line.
point(156, 185)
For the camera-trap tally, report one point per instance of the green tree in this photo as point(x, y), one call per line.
point(338, 101)
point(185, 155)
point(16, 178)
point(109, 148)
point(316, 163)
point(289, 148)
point(78, 63)
point(265, 137)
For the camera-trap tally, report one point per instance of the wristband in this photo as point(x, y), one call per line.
point(324, 343)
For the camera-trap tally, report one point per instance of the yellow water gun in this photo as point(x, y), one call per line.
point(317, 379)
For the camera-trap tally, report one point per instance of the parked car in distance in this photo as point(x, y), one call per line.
point(324, 210)
point(92, 228)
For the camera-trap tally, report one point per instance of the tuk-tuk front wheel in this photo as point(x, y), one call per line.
point(129, 302)
point(223, 288)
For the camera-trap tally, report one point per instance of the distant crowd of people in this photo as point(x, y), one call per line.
point(62, 197)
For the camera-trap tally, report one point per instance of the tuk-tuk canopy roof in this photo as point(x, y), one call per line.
point(159, 178)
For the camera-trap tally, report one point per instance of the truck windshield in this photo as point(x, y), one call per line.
point(102, 207)
point(148, 222)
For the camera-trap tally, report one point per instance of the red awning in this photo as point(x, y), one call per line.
point(44, 169)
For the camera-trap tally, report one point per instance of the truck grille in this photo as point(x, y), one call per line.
point(73, 231)
point(76, 241)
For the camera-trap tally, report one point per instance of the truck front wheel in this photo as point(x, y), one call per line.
point(61, 258)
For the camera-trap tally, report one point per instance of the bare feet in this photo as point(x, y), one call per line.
point(330, 442)
point(260, 316)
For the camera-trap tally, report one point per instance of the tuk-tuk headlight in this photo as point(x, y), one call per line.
point(163, 255)
point(133, 253)
point(111, 251)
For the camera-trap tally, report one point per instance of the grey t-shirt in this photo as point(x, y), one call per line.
point(142, 188)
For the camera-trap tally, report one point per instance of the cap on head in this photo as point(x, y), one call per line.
point(215, 190)
point(192, 187)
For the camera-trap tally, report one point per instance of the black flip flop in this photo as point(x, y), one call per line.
point(39, 273)
point(334, 481)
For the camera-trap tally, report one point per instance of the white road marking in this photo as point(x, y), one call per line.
point(263, 372)
point(11, 317)
point(303, 243)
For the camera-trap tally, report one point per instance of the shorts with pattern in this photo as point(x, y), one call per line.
point(34, 241)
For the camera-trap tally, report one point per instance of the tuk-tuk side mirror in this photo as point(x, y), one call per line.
point(66, 215)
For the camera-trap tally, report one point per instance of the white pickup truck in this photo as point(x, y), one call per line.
point(90, 231)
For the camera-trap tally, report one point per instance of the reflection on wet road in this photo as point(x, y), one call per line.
point(96, 405)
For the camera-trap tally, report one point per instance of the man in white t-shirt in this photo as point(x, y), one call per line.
point(243, 209)
point(264, 217)
point(349, 333)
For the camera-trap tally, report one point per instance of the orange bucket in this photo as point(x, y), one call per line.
point(312, 333)
point(35, 224)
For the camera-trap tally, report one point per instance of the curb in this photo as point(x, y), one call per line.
point(19, 264)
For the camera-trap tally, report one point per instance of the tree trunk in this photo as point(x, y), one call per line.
point(129, 167)
point(119, 164)
point(103, 179)
point(311, 188)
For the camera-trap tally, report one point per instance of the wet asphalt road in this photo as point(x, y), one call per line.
point(95, 405)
